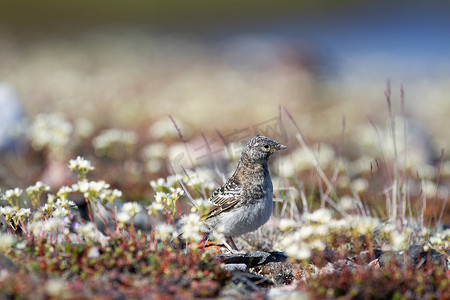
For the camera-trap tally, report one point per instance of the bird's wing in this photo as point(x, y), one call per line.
point(224, 198)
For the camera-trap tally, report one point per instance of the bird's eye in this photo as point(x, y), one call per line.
point(266, 147)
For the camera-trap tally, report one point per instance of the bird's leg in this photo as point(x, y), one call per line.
point(229, 243)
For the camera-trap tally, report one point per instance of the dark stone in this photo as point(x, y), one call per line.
point(419, 257)
point(331, 256)
point(393, 257)
point(445, 226)
point(251, 282)
point(7, 264)
point(253, 259)
point(416, 257)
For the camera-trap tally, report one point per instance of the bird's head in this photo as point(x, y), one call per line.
point(260, 148)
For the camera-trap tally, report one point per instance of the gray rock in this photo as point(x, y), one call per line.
point(394, 257)
point(416, 256)
point(419, 257)
point(286, 294)
point(250, 282)
point(7, 264)
point(236, 267)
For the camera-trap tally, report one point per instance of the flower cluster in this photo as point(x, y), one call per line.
point(440, 240)
point(166, 201)
point(12, 196)
point(200, 179)
point(34, 192)
point(164, 185)
point(165, 128)
point(52, 226)
point(6, 241)
point(192, 228)
point(153, 156)
point(80, 166)
point(50, 131)
point(57, 207)
point(319, 230)
point(132, 209)
point(13, 216)
point(165, 232)
point(114, 143)
point(89, 232)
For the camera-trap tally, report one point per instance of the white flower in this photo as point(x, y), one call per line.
point(83, 128)
point(63, 202)
point(24, 212)
point(56, 287)
point(217, 235)
point(50, 130)
point(12, 194)
point(153, 166)
point(299, 252)
point(61, 212)
point(123, 217)
point(9, 212)
point(160, 196)
point(305, 232)
point(35, 227)
point(322, 230)
point(132, 208)
point(87, 229)
point(192, 228)
point(93, 252)
point(111, 142)
point(154, 208)
point(155, 150)
point(6, 241)
point(36, 189)
point(164, 232)
point(80, 166)
point(108, 196)
point(155, 184)
point(366, 225)
point(90, 232)
point(53, 224)
point(162, 184)
point(425, 232)
point(90, 188)
point(317, 244)
point(287, 224)
point(321, 215)
point(347, 203)
point(429, 188)
point(166, 128)
point(399, 241)
point(360, 185)
point(63, 191)
point(200, 178)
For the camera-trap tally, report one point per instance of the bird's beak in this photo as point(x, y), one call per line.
point(281, 147)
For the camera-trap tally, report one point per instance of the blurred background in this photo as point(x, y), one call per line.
point(222, 65)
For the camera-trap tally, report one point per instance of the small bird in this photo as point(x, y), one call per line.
point(244, 203)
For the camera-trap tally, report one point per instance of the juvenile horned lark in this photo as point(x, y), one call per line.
point(244, 203)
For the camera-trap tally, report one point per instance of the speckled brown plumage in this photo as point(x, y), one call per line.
point(244, 202)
